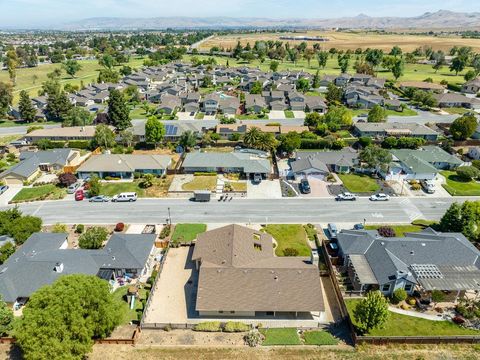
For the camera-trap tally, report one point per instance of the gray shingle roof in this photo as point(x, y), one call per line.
point(124, 163)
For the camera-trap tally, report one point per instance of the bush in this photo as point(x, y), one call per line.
point(165, 232)
point(253, 338)
point(93, 238)
point(459, 320)
point(416, 187)
point(80, 229)
point(119, 227)
point(205, 174)
point(153, 276)
point(405, 307)
point(79, 144)
point(66, 179)
point(290, 252)
point(59, 228)
point(386, 231)
point(235, 326)
point(398, 296)
point(208, 326)
point(467, 173)
point(411, 301)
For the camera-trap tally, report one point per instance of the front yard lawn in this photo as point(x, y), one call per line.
point(201, 183)
point(187, 232)
point(158, 189)
point(457, 187)
point(251, 117)
point(44, 192)
point(357, 183)
point(284, 336)
point(289, 114)
point(400, 230)
point(405, 112)
point(404, 325)
point(199, 116)
point(289, 236)
point(456, 111)
point(318, 337)
point(238, 186)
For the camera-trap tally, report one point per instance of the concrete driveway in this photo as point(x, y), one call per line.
point(267, 189)
point(276, 115)
point(299, 114)
point(8, 195)
point(185, 116)
point(318, 188)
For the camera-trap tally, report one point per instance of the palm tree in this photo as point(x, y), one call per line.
point(266, 142)
point(187, 140)
point(252, 136)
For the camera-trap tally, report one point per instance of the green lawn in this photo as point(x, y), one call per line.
point(251, 117)
point(400, 230)
point(113, 188)
point(289, 236)
point(138, 113)
point(277, 336)
point(357, 183)
point(318, 337)
point(187, 232)
point(201, 183)
point(404, 325)
point(199, 116)
point(456, 111)
point(312, 93)
point(128, 314)
point(7, 139)
point(457, 187)
point(44, 192)
point(289, 114)
point(31, 79)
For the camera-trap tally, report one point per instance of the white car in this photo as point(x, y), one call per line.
point(380, 197)
point(346, 197)
point(125, 197)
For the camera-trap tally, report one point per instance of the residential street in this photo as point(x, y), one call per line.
point(397, 210)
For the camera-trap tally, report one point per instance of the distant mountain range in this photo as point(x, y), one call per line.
point(442, 19)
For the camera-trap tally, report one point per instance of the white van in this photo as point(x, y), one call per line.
point(125, 197)
point(73, 188)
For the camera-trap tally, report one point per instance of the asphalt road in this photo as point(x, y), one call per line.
point(397, 210)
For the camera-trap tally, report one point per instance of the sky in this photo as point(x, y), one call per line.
point(32, 13)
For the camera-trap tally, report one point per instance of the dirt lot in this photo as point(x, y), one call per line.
point(343, 40)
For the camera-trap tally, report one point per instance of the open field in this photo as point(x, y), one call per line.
point(349, 40)
point(26, 79)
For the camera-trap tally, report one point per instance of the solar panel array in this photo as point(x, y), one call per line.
point(427, 271)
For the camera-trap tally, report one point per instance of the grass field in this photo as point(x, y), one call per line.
point(317, 337)
point(349, 40)
point(289, 236)
point(187, 232)
point(400, 230)
point(403, 325)
point(26, 76)
point(356, 183)
point(457, 187)
point(281, 336)
point(201, 183)
point(44, 192)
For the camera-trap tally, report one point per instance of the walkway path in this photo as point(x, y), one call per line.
point(416, 314)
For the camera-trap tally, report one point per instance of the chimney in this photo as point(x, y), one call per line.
point(58, 268)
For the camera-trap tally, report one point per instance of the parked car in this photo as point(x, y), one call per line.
point(380, 197)
point(3, 188)
point(257, 178)
point(125, 197)
point(346, 197)
point(428, 186)
point(79, 195)
point(332, 230)
point(358, 227)
point(100, 198)
point(305, 186)
point(73, 188)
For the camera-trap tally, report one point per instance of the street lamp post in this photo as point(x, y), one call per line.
point(169, 217)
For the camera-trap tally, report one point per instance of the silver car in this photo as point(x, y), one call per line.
point(99, 198)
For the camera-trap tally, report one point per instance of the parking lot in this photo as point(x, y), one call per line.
point(173, 301)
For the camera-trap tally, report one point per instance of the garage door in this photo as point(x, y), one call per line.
point(13, 181)
point(316, 176)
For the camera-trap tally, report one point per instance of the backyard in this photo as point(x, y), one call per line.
point(290, 336)
point(184, 233)
point(289, 237)
point(457, 187)
point(357, 183)
point(129, 315)
point(201, 183)
point(404, 325)
point(36, 193)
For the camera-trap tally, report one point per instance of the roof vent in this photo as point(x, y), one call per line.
point(276, 278)
point(382, 243)
point(423, 244)
point(412, 252)
point(113, 258)
point(58, 267)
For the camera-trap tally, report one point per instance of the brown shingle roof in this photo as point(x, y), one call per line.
point(239, 272)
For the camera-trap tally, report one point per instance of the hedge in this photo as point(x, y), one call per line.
point(205, 174)
point(209, 326)
point(79, 144)
point(321, 144)
point(235, 326)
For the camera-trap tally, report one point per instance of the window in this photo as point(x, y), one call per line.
point(408, 287)
point(386, 287)
point(232, 312)
point(269, 313)
point(220, 312)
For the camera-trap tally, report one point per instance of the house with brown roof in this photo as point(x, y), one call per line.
point(239, 276)
point(422, 85)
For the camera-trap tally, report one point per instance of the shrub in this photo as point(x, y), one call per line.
point(411, 301)
point(80, 229)
point(235, 326)
point(93, 238)
point(79, 144)
point(151, 279)
point(416, 187)
point(119, 227)
point(459, 320)
point(405, 307)
point(167, 328)
point(386, 231)
point(165, 232)
point(290, 252)
point(59, 228)
point(399, 295)
point(467, 173)
point(66, 179)
point(208, 326)
point(331, 177)
point(253, 338)
point(205, 174)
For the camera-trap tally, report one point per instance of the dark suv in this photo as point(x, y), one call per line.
point(305, 186)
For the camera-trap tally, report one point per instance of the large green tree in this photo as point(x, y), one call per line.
point(463, 127)
point(154, 130)
point(375, 157)
point(62, 320)
point(6, 317)
point(58, 105)
point(71, 67)
point(78, 116)
point(377, 114)
point(289, 142)
point(187, 140)
point(464, 218)
point(6, 97)
point(93, 238)
point(103, 137)
point(118, 111)
point(26, 108)
point(371, 312)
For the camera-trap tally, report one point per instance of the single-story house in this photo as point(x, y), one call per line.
point(44, 257)
point(320, 164)
point(123, 166)
point(32, 163)
point(169, 104)
point(234, 162)
point(238, 275)
point(225, 130)
point(62, 134)
point(471, 87)
point(423, 261)
point(382, 130)
point(474, 153)
point(423, 164)
point(315, 104)
point(422, 85)
point(448, 100)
